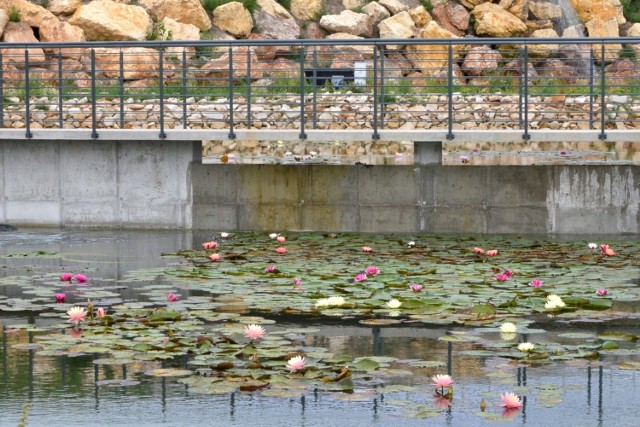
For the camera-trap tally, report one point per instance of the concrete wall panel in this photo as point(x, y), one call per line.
point(456, 219)
point(215, 217)
point(518, 219)
point(268, 184)
point(515, 186)
point(88, 171)
point(462, 186)
point(219, 185)
point(374, 219)
point(268, 217)
point(2, 192)
point(387, 185)
point(31, 171)
point(38, 212)
point(337, 185)
point(330, 218)
point(89, 213)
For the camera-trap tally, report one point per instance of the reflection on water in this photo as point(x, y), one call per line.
point(73, 391)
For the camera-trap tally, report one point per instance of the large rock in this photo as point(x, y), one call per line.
point(21, 32)
point(545, 10)
point(233, 18)
point(481, 60)
point(139, 62)
point(519, 8)
point(275, 21)
point(451, 16)
point(364, 50)
point(306, 10)
point(30, 14)
point(4, 20)
point(494, 21)
point(218, 69)
point(598, 28)
point(63, 7)
point(604, 10)
point(559, 71)
point(54, 30)
point(544, 50)
point(634, 31)
point(397, 6)
point(349, 22)
point(268, 52)
point(420, 16)
point(377, 13)
point(185, 11)
point(180, 31)
point(470, 4)
point(108, 20)
point(400, 26)
point(431, 59)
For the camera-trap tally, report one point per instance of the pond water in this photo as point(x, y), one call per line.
point(192, 364)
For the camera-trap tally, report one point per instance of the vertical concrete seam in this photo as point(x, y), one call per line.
point(59, 168)
point(4, 184)
point(118, 205)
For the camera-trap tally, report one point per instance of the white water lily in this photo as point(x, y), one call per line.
point(411, 244)
point(394, 303)
point(593, 246)
point(525, 347)
point(508, 327)
point(330, 302)
point(273, 235)
point(554, 302)
point(224, 235)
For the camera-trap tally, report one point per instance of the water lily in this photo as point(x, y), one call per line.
point(510, 401)
point(554, 302)
point(215, 257)
point(360, 277)
point(254, 332)
point(171, 297)
point(508, 327)
point(411, 244)
point(296, 363)
point(478, 251)
point(525, 347)
point(367, 249)
point(77, 314)
point(393, 303)
point(606, 250)
point(602, 292)
point(502, 277)
point(271, 269)
point(536, 283)
point(442, 380)
point(593, 246)
point(210, 245)
point(60, 298)
point(224, 235)
point(281, 239)
point(101, 313)
point(65, 277)
point(322, 302)
point(330, 302)
point(508, 273)
point(371, 271)
point(415, 287)
point(273, 235)
point(492, 252)
point(507, 336)
point(281, 250)
point(297, 281)
point(80, 278)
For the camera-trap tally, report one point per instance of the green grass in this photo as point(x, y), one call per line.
point(210, 5)
point(631, 9)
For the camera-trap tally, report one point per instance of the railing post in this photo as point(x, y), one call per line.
point(232, 135)
point(526, 135)
point(303, 135)
point(375, 135)
point(27, 94)
point(94, 124)
point(162, 135)
point(184, 88)
point(450, 135)
point(382, 102)
point(603, 103)
point(592, 60)
point(520, 80)
point(60, 91)
point(1, 93)
point(248, 80)
point(121, 83)
point(315, 87)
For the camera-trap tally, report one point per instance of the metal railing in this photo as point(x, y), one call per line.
point(309, 85)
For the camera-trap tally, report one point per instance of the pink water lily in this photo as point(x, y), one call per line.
point(502, 277)
point(60, 298)
point(536, 283)
point(210, 245)
point(367, 249)
point(492, 252)
point(297, 281)
point(101, 313)
point(442, 380)
point(281, 239)
point(478, 251)
point(415, 287)
point(510, 401)
point(464, 159)
point(508, 273)
point(296, 363)
point(215, 257)
point(271, 269)
point(77, 314)
point(281, 250)
point(254, 332)
point(81, 278)
point(371, 271)
point(171, 297)
point(66, 277)
point(602, 292)
point(360, 277)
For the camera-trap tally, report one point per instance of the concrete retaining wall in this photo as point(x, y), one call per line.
point(97, 183)
point(434, 199)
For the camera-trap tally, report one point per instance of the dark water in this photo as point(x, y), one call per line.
point(67, 390)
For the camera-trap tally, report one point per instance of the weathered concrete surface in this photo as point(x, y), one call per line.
point(433, 199)
point(97, 183)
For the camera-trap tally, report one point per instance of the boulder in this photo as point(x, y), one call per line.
point(138, 62)
point(604, 10)
point(397, 61)
point(184, 11)
point(494, 21)
point(430, 59)
point(597, 28)
point(30, 13)
point(21, 32)
point(53, 30)
point(364, 50)
point(306, 10)
point(175, 30)
point(519, 8)
point(108, 20)
point(634, 31)
point(275, 21)
point(480, 60)
point(233, 18)
point(420, 16)
point(268, 52)
point(545, 10)
point(314, 31)
point(349, 22)
point(543, 50)
point(538, 24)
point(395, 6)
point(451, 16)
point(622, 70)
point(218, 69)
point(353, 4)
point(63, 7)
point(4, 20)
point(559, 71)
point(400, 26)
point(470, 4)
point(377, 13)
